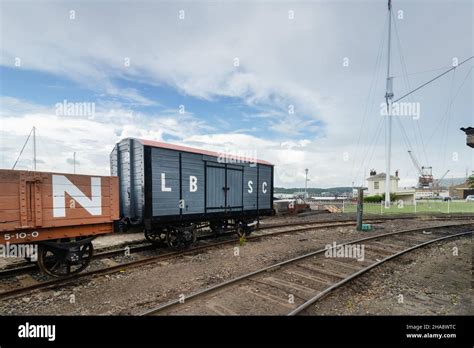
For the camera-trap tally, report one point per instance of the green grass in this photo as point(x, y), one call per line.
point(421, 207)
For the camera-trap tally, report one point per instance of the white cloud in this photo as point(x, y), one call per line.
point(92, 139)
point(282, 62)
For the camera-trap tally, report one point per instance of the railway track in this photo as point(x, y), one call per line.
point(25, 267)
point(291, 286)
point(202, 245)
point(281, 229)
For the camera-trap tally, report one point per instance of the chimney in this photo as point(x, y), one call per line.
point(373, 172)
point(396, 173)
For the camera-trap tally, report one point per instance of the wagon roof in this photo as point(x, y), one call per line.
point(193, 150)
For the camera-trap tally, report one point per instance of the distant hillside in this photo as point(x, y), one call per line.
point(332, 191)
point(315, 191)
point(446, 182)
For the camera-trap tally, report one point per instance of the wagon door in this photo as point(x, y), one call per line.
point(234, 188)
point(215, 188)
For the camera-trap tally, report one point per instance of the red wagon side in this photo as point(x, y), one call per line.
point(58, 213)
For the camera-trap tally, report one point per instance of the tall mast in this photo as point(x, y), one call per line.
point(388, 100)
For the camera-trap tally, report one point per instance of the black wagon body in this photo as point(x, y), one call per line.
point(163, 184)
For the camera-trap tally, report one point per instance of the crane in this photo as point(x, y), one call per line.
point(438, 181)
point(425, 180)
point(442, 177)
point(415, 162)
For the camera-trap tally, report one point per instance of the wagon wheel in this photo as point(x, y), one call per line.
point(174, 239)
point(191, 235)
point(58, 262)
point(243, 230)
point(240, 231)
point(154, 237)
point(182, 237)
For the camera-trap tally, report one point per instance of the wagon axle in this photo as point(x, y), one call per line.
point(65, 257)
point(181, 237)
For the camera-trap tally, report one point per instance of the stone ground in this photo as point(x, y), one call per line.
point(431, 281)
point(134, 290)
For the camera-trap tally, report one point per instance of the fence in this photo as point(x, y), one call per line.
point(420, 207)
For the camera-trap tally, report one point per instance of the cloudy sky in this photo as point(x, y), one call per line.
point(300, 83)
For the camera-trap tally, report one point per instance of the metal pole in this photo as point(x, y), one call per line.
point(388, 98)
point(360, 207)
point(34, 148)
point(306, 184)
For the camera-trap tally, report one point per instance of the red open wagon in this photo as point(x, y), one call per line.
point(58, 213)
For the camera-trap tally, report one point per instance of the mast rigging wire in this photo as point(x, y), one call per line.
point(24, 145)
point(369, 106)
point(408, 87)
point(433, 79)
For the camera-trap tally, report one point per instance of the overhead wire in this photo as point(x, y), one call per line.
point(23, 148)
point(409, 93)
point(433, 79)
point(445, 137)
point(369, 104)
point(376, 139)
point(422, 72)
point(372, 145)
point(441, 120)
point(418, 137)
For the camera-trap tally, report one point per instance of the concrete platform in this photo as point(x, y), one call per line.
point(115, 240)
